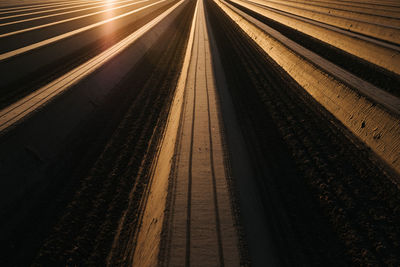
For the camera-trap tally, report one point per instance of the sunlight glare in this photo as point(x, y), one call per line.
point(110, 2)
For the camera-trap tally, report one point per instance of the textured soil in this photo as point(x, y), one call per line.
point(89, 211)
point(332, 201)
point(10, 93)
point(375, 75)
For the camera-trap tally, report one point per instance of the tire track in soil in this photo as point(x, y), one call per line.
point(196, 231)
point(124, 249)
point(84, 233)
point(190, 178)
point(338, 200)
point(214, 180)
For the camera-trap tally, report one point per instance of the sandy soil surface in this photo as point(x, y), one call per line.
point(331, 200)
point(340, 11)
point(26, 74)
point(353, 22)
point(376, 51)
point(75, 215)
point(201, 228)
point(377, 76)
point(23, 3)
point(262, 174)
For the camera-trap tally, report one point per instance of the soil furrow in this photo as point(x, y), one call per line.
point(340, 176)
point(217, 216)
point(375, 75)
point(109, 154)
point(10, 93)
point(122, 161)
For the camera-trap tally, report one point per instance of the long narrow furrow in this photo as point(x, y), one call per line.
point(9, 6)
point(15, 15)
point(352, 198)
point(26, 73)
point(13, 38)
point(353, 23)
point(105, 170)
point(375, 75)
point(125, 241)
point(353, 7)
point(201, 229)
point(17, 24)
point(338, 11)
point(374, 50)
point(382, 5)
point(116, 169)
point(199, 133)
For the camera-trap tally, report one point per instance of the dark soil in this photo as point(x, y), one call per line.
point(331, 201)
point(374, 74)
point(104, 173)
point(9, 93)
